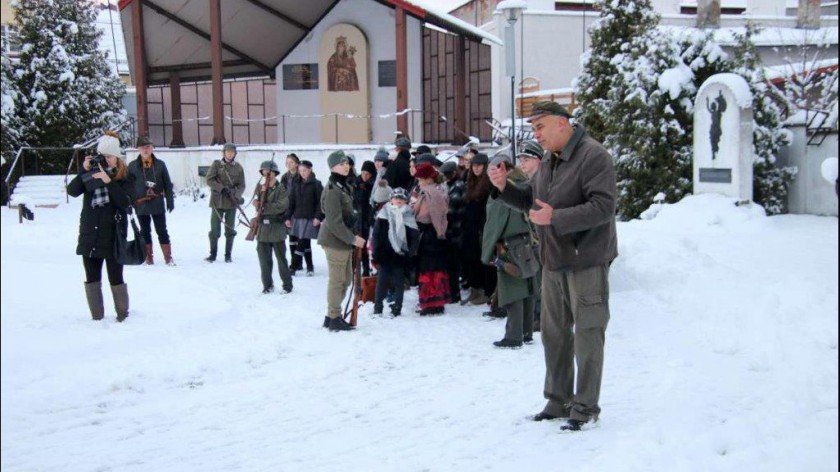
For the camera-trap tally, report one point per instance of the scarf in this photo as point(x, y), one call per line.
point(398, 218)
point(100, 194)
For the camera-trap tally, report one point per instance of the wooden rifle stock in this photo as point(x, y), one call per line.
point(357, 284)
point(254, 225)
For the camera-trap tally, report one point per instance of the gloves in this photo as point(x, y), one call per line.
point(170, 205)
point(225, 191)
point(498, 262)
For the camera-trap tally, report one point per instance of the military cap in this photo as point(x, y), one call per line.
point(530, 148)
point(335, 158)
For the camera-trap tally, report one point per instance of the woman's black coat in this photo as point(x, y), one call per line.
point(97, 225)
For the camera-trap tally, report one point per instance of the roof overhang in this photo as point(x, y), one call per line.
point(256, 34)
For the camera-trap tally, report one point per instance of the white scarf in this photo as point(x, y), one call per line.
point(398, 218)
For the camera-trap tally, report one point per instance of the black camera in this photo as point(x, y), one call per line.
point(96, 160)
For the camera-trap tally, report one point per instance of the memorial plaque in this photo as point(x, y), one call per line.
point(300, 76)
point(387, 73)
point(720, 176)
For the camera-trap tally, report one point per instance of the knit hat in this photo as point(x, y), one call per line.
point(398, 192)
point(306, 163)
point(425, 171)
point(335, 158)
point(270, 165)
point(403, 142)
point(368, 166)
point(448, 167)
point(530, 148)
point(382, 192)
point(229, 147)
point(480, 158)
point(109, 145)
point(144, 141)
point(381, 155)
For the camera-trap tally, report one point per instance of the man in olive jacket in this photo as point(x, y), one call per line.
point(337, 238)
point(152, 187)
point(226, 179)
point(571, 200)
point(271, 234)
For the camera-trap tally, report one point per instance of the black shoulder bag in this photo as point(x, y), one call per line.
point(128, 252)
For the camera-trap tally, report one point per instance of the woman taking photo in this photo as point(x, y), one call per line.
point(106, 187)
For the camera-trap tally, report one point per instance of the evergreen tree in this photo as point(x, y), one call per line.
point(68, 91)
point(620, 22)
point(9, 122)
point(770, 183)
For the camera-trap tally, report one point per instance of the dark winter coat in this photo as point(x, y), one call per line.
point(362, 207)
point(337, 204)
point(161, 191)
point(305, 199)
point(398, 172)
point(223, 174)
point(455, 214)
point(272, 222)
point(383, 252)
point(580, 184)
point(289, 180)
point(97, 226)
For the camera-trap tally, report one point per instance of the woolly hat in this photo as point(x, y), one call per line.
point(480, 158)
point(382, 192)
point(109, 145)
point(425, 171)
point(448, 167)
point(368, 166)
point(381, 155)
point(306, 163)
point(399, 192)
point(270, 165)
point(335, 158)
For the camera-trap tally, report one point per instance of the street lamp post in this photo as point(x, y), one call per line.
point(512, 9)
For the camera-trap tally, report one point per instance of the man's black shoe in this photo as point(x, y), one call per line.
point(572, 425)
point(543, 416)
point(506, 343)
point(338, 324)
point(496, 313)
point(228, 259)
point(268, 289)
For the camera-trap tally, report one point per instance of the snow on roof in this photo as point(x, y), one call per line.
point(770, 36)
point(787, 70)
point(445, 17)
point(734, 82)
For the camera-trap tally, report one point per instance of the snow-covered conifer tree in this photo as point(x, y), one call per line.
point(68, 91)
point(9, 122)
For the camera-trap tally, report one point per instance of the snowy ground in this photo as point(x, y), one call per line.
point(721, 355)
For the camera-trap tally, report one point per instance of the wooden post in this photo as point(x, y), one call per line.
point(460, 118)
point(402, 68)
point(216, 64)
point(140, 79)
point(177, 125)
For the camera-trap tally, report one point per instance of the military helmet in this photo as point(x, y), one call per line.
point(270, 165)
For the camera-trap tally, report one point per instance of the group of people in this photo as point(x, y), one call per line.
point(440, 226)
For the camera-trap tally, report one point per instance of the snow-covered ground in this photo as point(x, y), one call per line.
point(721, 355)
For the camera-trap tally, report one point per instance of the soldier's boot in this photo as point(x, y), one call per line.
point(214, 249)
point(228, 249)
point(93, 292)
point(150, 257)
point(167, 254)
point(120, 293)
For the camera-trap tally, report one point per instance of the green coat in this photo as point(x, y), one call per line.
point(273, 223)
point(337, 206)
point(503, 222)
point(223, 174)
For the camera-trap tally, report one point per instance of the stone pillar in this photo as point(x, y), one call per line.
point(723, 137)
point(808, 14)
point(708, 14)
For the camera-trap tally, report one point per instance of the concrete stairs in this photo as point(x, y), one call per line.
point(40, 191)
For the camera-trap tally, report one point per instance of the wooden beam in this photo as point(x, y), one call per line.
point(216, 61)
point(140, 68)
point(198, 32)
point(177, 125)
point(402, 68)
point(280, 15)
point(460, 118)
point(196, 66)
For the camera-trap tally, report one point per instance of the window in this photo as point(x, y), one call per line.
point(723, 10)
point(10, 42)
point(579, 5)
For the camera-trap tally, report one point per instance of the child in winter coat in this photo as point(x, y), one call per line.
point(395, 238)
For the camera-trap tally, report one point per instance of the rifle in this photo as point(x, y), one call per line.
point(355, 287)
point(254, 224)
